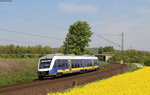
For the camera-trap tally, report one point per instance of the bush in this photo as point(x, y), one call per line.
point(147, 63)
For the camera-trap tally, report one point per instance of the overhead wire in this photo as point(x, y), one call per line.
point(6, 40)
point(29, 19)
point(110, 34)
point(29, 34)
point(108, 40)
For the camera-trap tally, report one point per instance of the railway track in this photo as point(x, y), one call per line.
point(51, 85)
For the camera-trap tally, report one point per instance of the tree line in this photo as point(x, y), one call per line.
point(24, 51)
point(131, 56)
point(16, 51)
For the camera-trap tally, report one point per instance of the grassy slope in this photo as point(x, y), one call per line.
point(102, 63)
point(133, 67)
point(21, 76)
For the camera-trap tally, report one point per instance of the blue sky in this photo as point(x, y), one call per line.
point(51, 18)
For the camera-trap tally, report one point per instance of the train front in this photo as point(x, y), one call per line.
point(44, 68)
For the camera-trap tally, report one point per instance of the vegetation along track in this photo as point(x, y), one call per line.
point(52, 85)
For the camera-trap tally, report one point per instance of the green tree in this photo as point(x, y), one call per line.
point(108, 49)
point(77, 38)
point(100, 50)
point(11, 49)
point(60, 49)
point(47, 50)
point(88, 51)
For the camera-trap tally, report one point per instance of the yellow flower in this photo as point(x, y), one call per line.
point(133, 83)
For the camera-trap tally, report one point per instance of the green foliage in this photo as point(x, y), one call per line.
point(94, 50)
point(106, 49)
point(100, 50)
point(100, 58)
point(133, 67)
point(88, 51)
point(102, 63)
point(77, 38)
point(11, 51)
point(60, 50)
point(147, 62)
point(130, 56)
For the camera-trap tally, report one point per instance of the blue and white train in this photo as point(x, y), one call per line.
point(57, 65)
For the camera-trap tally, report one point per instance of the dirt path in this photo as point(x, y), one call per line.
point(52, 85)
point(139, 65)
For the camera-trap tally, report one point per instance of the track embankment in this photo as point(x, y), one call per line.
point(52, 85)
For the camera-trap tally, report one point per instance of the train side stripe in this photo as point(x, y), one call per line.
point(76, 69)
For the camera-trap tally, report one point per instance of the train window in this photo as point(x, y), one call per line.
point(80, 61)
point(96, 62)
point(75, 63)
point(72, 61)
point(45, 63)
point(78, 65)
point(85, 62)
point(59, 63)
point(72, 65)
point(90, 62)
point(56, 64)
point(64, 63)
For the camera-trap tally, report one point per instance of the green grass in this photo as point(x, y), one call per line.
point(29, 74)
point(133, 67)
point(102, 63)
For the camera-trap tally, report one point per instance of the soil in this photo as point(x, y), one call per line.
point(9, 66)
point(42, 87)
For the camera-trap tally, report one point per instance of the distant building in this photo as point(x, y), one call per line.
point(104, 57)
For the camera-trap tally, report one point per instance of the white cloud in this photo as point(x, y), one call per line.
point(72, 8)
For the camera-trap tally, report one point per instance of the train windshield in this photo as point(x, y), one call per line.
point(45, 63)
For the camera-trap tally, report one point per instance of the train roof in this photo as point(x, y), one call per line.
point(69, 55)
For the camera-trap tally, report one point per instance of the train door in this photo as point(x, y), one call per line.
point(69, 65)
point(92, 63)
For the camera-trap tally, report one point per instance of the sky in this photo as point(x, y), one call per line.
point(46, 22)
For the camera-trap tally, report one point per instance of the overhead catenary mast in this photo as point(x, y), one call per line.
point(122, 42)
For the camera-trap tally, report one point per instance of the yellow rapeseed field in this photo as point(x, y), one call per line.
point(133, 83)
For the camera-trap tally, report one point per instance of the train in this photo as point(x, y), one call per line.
point(53, 65)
